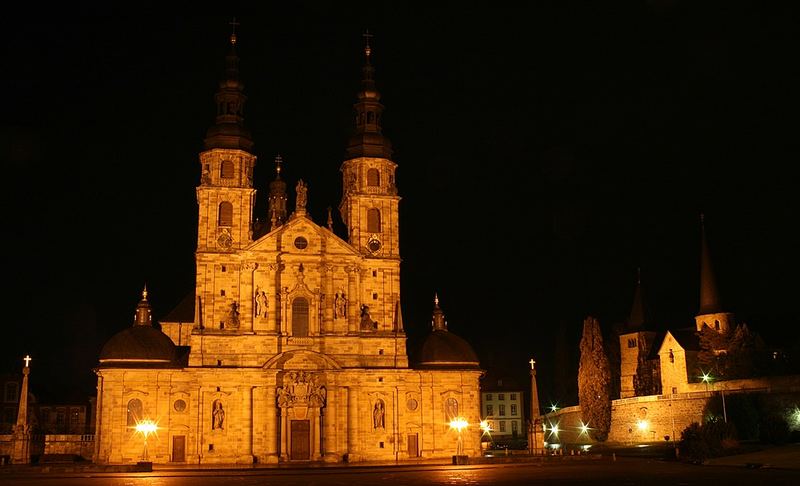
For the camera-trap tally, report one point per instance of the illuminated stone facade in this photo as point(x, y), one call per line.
point(292, 346)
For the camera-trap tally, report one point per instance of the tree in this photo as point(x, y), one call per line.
point(739, 353)
point(594, 380)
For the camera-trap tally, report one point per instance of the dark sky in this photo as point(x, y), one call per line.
point(545, 152)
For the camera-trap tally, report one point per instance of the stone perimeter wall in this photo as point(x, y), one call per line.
point(653, 418)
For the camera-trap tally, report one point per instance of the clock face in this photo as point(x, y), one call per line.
point(374, 244)
point(224, 240)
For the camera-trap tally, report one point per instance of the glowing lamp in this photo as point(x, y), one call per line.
point(642, 425)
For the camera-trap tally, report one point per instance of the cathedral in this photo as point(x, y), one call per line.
point(291, 346)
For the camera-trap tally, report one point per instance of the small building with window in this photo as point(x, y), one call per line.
point(502, 406)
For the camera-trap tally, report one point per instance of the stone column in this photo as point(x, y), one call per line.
point(274, 300)
point(327, 312)
point(247, 298)
point(246, 427)
point(271, 429)
point(353, 425)
point(330, 450)
point(352, 299)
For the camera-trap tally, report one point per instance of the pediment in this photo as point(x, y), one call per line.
point(668, 343)
point(301, 236)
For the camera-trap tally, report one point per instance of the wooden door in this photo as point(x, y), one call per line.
point(413, 445)
point(301, 440)
point(178, 448)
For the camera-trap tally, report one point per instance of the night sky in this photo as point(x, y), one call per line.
point(545, 152)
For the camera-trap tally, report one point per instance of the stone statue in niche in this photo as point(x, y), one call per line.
point(378, 414)
point(261, 302)
point(217, 416)
point(339, 305)
point(367, 324)
point(232, 319)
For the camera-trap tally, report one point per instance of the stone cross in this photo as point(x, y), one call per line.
point(532, 362)
point(27, 360)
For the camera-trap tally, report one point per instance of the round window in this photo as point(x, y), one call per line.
point(411, 404)
point(179, 405)
point(300, 243)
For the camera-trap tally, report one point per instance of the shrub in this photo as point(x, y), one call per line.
point(711, 439)
point(774, 429)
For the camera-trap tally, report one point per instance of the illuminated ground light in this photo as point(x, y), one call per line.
point(486, 427)
point(642, 425)
point(553, 407)
point(794, 418)
point(146, 427)
point(554, 430)
point(584, 428)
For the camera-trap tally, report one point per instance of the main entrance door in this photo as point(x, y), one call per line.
point(178, 448)
point(413, 445)
point(301, 440)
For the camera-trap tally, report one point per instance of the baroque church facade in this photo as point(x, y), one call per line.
point(291, 346)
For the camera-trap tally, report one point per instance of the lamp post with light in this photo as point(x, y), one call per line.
point(708, 378)
point(458, 424)
point(145, 427)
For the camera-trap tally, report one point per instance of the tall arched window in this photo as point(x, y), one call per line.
point(373, 177)
point(374, 220)
point(300, 317)
point(225, 214)
point(134, 412)
point(226, 169)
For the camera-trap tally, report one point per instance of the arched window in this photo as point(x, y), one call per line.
point(226, 169)
point(716, 325)
point(300, 317)
point(374, 220)
point(370, 117)
point(225, 214)
point(373, 177)
point(134, 412)
point(451, 409)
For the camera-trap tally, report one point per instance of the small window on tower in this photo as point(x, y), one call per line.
point(374, 220)
point(225, 214)
point(373, 177)
point(716, 325)
point(374, 296)
point(374, 273)
point(222, 293)
point(226, 169)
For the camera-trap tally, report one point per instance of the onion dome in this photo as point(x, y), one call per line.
point(229, 131)
point(443, 349)
point(368, 139)
point(140, 345)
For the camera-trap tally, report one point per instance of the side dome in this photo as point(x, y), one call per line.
point(140, 345)
point(443, 349)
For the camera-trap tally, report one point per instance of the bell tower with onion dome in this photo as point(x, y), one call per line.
point(226, 195)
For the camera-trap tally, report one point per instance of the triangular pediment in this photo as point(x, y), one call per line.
point(302, 236)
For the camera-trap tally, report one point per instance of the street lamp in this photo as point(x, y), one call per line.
point(708, 378)
point(146, 427)
point(459, 424)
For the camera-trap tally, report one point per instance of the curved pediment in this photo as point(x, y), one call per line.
point(302, 359)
